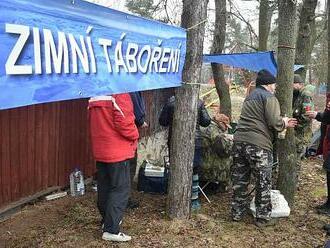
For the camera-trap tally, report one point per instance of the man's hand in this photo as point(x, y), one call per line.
point(311, 114)
point(218, 117)
point(290, 122)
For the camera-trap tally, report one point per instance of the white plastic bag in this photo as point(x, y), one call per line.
point(280, 207)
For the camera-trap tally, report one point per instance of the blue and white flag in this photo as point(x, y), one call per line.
point(53, 50)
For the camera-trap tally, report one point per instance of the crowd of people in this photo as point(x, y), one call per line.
point(114, 122)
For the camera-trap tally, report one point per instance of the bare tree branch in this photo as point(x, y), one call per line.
point(245, 44)
point(166, 12)
point(241, 17)
point(325, 27)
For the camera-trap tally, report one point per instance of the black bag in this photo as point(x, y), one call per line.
point(326, 163)
point(152, 184)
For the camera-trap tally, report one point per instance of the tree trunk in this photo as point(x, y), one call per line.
point(306, 35)
point(265, 17)
point(185, 112)
point(287, 179)
point(217, 47)
point(328, 83)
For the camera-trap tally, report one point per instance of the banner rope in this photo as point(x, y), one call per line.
point(196, 25)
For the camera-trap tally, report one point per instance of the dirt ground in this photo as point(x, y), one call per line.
point(74, 222)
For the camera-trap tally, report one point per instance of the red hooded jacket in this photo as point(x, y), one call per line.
point(114, 134)
point(324, 147)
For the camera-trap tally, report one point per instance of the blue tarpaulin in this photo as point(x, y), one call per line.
point(249, 61)
point(59, 49)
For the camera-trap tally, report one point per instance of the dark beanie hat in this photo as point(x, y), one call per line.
point(297, 79)
point(264, 77)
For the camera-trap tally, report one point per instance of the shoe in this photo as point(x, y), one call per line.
point(131, 204)
point(120, 237)
point(261, 223)
point(325, 211)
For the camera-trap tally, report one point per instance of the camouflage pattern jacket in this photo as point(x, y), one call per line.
point(217, 159)
point(301, 98)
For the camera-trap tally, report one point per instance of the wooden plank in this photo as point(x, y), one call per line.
point(39, 136)
point(45, 145)
point(5, 156)
point(13, 207)
point(14, 154)
point(81, 136)
point(73, 161)
point(85, 153)
point(23, 151)
point(62, 143)
point(75, 127)
point(88, 150)
point(31, 146)
point(57, 139)
point(52, 145)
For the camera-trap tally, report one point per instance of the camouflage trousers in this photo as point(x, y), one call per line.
point(250, 159)
point(302, 139)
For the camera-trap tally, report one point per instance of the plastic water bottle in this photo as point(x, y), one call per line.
point(77, 185)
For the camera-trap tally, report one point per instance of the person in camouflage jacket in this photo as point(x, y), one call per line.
point(216, 151)
point(302, 102)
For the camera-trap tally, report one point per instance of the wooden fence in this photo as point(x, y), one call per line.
point(41, 144)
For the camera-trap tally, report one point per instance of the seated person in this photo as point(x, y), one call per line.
point(203, 119)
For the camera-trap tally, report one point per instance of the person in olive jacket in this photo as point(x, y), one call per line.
point(252, 151)
point(203, 119)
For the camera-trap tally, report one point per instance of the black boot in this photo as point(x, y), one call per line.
point(326, 227)
point(261, 223)
point(325, 211)
point(323, 206)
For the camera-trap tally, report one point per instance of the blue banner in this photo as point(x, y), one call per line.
point(66, 49)
point(249, 61)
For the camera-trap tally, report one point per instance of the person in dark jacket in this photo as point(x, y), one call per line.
point(140, 114)
point(252, 151)
point(324, 148)
point(139, 109)
point(203, 119)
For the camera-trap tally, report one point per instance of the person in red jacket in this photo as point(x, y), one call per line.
point(114, 138)
point(324, 149)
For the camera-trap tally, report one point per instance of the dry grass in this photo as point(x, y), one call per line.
point(74, 222)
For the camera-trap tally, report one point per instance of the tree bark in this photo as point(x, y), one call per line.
point(185, 112)
point(265, 17)
point(328, 83)
point(287, 180)
point(217, 47)
point(306, 35)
